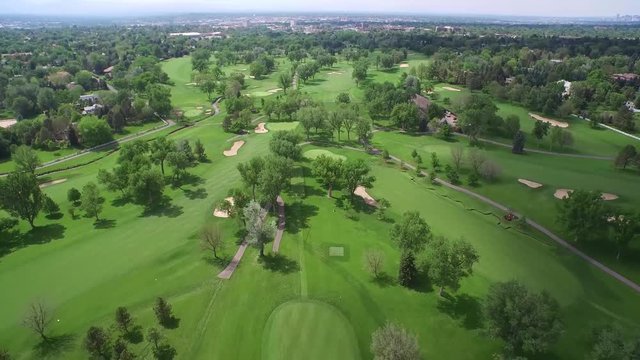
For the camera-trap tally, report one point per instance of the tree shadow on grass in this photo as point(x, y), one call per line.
point(163, 208)
point(384, 280)
point(54, 346)
point(220, 262)
point(38, 235)
point(134, 336)
point(120, 201)
point(172, 323)
point(56, 216)
point(199, 193)
point(279, 263)
point(298, 215)
point(463, 307)
point(104, 224)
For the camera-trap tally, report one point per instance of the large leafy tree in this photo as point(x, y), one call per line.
point(259, 228)
point(392, 342)
point(25, 159)
point(412, 232)
point(626, 156)
point(450, 262)
point(477, 115)
point(329, 170)
point(94, 131)
point(98, 343)
point(584, 215)
point(160, 149)
point(356, 173)
point(146, 186)
point(528, 323)
point(274, 178)
point(21, 196)
point(91, 201)
point(250, 173)
point(624, 228)
point(286, 144)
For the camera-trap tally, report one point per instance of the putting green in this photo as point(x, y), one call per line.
point(308, 330)
point(282, 126)
point(192, 113)
point(312, 154)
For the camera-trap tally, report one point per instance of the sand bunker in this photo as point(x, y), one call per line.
point(608, 196)
point(234, 149)
point(404, 65)
point(260, 129)
point(362, 192)
point(191, 84)
point(531, 184)
point(335, 73)
point(273, 91)
point(562, 193)
point(51, 183)
point(223, 213)
point(5, 124)
point(451, 88)
point(561, 124)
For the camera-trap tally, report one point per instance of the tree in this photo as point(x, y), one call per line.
point(349, 120)
point(199, 151)
point(179, 162)
point(408, 272)
point(412, 233)
point(457, 155)
point(73, 195)
point(259, 230)
point(285, 80)
point(360, 69)
point(91, 201)
point(163, 312)
point(624, 228)
point(528, 323)
point(609, 344)
point(160, 99)
point(25, 159)
point(626, 156)
point(374, 262)
point(329, 170)
point(160, 149)
point(343, 98)
point(286, 144)
point(98, 343)
point(120, 350)
point(383, 205)
point(364, 130)
point(161, 350)
point(38, 319)
point(519, 140)
point(94, 131)
point(511, 125)
point(450, 262)
point(49, 206)
point(435, 162)
point(477, 115)
point(146, 186)
point(540, 130)
point(4, 354)
point(489, 170)
point(116, 180)
point(391, 342)
point(211, 238)
point(584, 215)
point(335, 123)
point(250, 173)
point(356, 173)
point(21, 196)
point(124, 320)
point(405, 116)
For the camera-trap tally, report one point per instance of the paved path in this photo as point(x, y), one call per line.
point(281, 225)
point(611, 128)
point(532, 223)
point(228, 271)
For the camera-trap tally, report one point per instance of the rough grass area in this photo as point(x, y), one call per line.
point(312, 154)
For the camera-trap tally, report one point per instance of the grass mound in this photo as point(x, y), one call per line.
point(312, 154)
point(282, 126)
point(309, 330)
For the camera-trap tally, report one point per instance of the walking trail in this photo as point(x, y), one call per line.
point(531, 223)
point(281, 224)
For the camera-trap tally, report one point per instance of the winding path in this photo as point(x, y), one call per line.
point(228, 271)
point(281, 225)
point(531, 223)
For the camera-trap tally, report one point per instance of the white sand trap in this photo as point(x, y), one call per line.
point(561, 124)
point(335, 73)
point(251, 77)
point(191, 84)
point(5, 124)
point(260, 129)
point(51, 183)
point(362, 192)
point(273, 91)
point(562, 193)
point(451, 88)
point(529, 183)
point(199, 107)
point(404, 65)
point(234, 149)
point(609, 197)
point(223, 213)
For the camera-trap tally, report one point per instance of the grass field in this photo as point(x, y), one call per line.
point(302, 302)
point(312, 154)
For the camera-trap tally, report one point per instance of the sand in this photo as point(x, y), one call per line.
point(260, 129)
point(529, 183)
point(609, 197)
point(561, 124)
point(234, 149)
point(335, 73)
point(5, 124)
point(451, 88)
point(191, 84)
point(222, 213)
point(562, 193)
point(404, 65)
point(362, 192)
point(51, 183)
point(273, 91)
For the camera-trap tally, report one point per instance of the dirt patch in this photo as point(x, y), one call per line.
point(404, 65)
point(51, 183)
point(260, 129)
point(223, 213)
point(609, 197)
point(562, 193)
point(362, 192)
point(529, 183)
point(451, 88)
point(5, 124)
point(273, 91)
point(234, 149)
point(561, 124)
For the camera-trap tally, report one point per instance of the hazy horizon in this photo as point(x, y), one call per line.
point(546, 8)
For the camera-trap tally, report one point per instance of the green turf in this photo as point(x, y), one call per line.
point(308, 330)
point(282, 126)
point(312, 154)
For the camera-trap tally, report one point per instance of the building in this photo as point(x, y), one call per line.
point(92, 110)
point(451, 119)
point(626, 77)
point(567, 87)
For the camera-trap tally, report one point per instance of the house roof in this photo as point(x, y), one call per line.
point(421, 102)
point(108, 70)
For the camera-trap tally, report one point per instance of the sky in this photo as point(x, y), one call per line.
point(560, 8)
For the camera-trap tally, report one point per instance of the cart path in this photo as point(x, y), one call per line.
point(614, 274)
point(228, 271)
point(281, 225)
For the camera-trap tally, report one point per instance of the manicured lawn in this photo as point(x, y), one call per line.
point(282, 126)
point(312, 154)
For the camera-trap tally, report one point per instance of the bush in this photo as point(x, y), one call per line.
point(490, 170)
point(73, 195)
point(473, 179)
point(452, 175)
point(50, 207)
point(374, 262)
point(392, 342)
